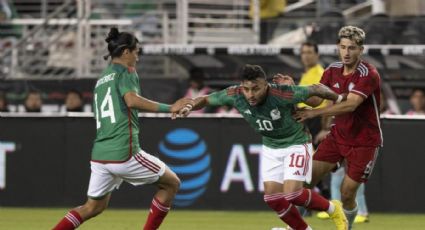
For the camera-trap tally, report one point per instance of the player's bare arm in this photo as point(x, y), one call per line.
point(195, 104)
point(135, 101)
point(349, 105)
point(315, 90)
point(318, 92)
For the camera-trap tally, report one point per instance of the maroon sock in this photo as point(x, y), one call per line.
point(157, 214)
point(71, 221)
point(286, 211)
point(308, 199)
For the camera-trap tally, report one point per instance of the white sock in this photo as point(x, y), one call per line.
point(331, 208)
point(351, 214)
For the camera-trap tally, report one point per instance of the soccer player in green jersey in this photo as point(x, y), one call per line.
point(286, 159)
point(116, 154)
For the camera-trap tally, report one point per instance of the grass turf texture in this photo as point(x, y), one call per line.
point(43, 218)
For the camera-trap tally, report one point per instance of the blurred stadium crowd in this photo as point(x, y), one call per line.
point(49, 63)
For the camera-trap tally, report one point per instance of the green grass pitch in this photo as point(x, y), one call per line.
point(43, 218)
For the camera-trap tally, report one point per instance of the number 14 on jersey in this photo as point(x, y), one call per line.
point(106, 108)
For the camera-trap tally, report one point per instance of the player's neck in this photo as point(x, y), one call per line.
point(307, 68)
point(263, 99)
point(349, 69)
point(120, 62)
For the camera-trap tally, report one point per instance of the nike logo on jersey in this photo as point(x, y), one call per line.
point(336, 85)
point(248, 112)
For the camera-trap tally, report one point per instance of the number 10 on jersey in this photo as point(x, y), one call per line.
point(264, 125)
point(106, 108)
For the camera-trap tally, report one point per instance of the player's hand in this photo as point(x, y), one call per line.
point(281, 79)
point(302, 115)
point(320, 136)
point(181, 107)
point(183, 112)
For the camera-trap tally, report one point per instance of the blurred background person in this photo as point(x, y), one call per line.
point(197, 87)
point(417, 102)
point(313, 72)
point(383, 107)
point(3, 103)
point(226, 110)
point(74, 101)
point(33, 102)
point(269, 11)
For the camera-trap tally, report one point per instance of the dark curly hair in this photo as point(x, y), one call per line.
point(252, 72)
point(118, 42)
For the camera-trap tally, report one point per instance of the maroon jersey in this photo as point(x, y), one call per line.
point(360, 127)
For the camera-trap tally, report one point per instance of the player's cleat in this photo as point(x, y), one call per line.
point(323, 215)
point(361, 219)
point(338, 216)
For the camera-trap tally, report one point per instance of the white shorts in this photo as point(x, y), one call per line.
point(140, 169)
point(291, 163)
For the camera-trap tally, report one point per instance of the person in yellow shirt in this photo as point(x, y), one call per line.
point(313, 72)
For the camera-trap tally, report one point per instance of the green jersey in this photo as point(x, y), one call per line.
point(273, 117)
point(117, 136)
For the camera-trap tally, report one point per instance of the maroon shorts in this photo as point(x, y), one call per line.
point(360, 160)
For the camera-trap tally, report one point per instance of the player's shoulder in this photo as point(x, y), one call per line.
point(282, 91)
point(334, 66)
point(366, 69)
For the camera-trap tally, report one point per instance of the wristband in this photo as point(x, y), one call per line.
point(164, 108)
point(340, 97)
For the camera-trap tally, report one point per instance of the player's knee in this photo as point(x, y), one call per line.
point(94, 210)
point(348, 195)
point(174, 184)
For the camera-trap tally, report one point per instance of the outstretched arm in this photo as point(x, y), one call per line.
point(349, 105)
point(200, 102)
point(318, 92)
point(135, 101)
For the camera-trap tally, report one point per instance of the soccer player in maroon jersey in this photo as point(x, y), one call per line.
point(356, 133)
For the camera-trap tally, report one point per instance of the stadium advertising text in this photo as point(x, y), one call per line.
point(5, 147)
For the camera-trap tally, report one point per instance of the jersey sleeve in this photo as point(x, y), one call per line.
point(367, 84)
point(223, 97)
point(292, 93)
point(128, 83)
point(326, 78)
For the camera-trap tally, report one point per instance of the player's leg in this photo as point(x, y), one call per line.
point(77, 216)
point(272, 175)
point(348, 197)
point(297, 170)
point(101, 184)
point(325, 160)
point(360, 163)
point(144, 168)
point(363, 214)
point(288, 213)
point(168, 185)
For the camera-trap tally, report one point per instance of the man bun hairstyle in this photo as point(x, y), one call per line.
point(252, 72)
point(118, 42)
point(353, 33)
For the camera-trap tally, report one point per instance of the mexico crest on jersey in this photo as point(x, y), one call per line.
point(275, 114)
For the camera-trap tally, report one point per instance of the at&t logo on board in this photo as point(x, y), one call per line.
point(187, 155)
